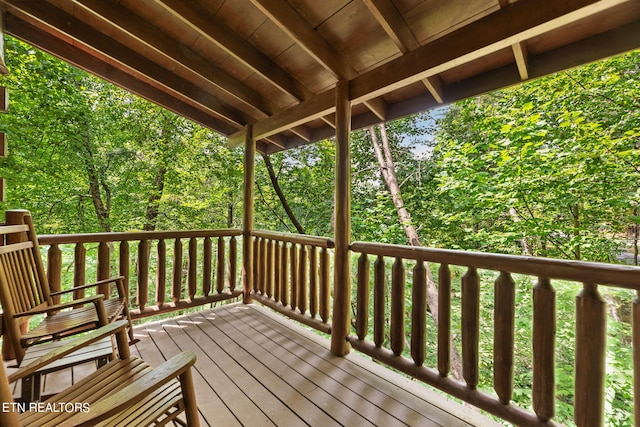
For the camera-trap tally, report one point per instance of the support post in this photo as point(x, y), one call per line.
point(342, 273)
point(247, 215)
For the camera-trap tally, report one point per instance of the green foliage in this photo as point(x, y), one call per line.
point(87, 156)
point(560, 152)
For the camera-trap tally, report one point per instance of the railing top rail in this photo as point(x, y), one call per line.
point(302, 239)
point(50, 239)
point(579, 271)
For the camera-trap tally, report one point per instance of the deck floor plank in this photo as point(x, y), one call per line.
point(257, 368)
point(315, 369)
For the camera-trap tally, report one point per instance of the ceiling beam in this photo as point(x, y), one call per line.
point(397, 29)
point(527, 19)
point(393, 24)
point(88, 36)
point(296, 27)
point(46, 42)
point(198, 18)
point(180, 54)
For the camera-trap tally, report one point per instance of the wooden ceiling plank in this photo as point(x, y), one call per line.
point(224, 37)
point(393, 23)
point(180, 54)
point(436, 88)
point(87, 35)
point(522, 60)
point(330, 120)
point(42, 40)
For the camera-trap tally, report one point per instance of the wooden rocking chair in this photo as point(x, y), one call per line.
point(25, 292)
point(125, 392)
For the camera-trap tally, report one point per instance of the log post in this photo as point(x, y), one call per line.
point(544, 341)
point(591, 334)
point(247, 214)
point(342, 270)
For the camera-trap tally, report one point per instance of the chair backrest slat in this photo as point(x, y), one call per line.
point(23, 281)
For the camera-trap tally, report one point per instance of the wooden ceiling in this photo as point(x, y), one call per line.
point(274, 64)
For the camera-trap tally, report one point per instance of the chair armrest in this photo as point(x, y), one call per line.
point(131, 394)
point(95, 299)
point(90, 285)
point(69, 347)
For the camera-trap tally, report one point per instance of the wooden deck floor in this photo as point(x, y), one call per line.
point(256, 368)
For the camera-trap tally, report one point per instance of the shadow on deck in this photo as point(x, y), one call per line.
point(256, 368)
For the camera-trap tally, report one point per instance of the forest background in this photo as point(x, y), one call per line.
point(547, 168)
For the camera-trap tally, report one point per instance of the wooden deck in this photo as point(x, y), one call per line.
point(256, 368)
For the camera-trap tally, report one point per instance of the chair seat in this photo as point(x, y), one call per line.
point(100, 352)
point(63, 323)
point(164, 402)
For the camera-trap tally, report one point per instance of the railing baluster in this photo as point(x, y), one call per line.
point(192, 268)
point(470, 326)
point(635, 331)
point(79, 268)
point(104, 269)
point(397, 307)
point(269, 270)
point(313, 281)
point(176, 282)
point(255, 286)
point(123, 264)
point(591, 330)
point(444, 320)
point(544, 333)
point(161, 272)
point(207, 266)
point(302, 280)
point(284, 276)
point(324, 284)
point(277, 269)
point(294, 276)
point(143, 274)
point(220, 276)
point(362, 301)
point(379, 296)
point(419, 314)
point(54, 269)
point(503, 320)
point(233, 263)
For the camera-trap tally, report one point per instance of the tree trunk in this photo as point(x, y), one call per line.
point(153, 203)
point(387, 169)
point(96, 183)
point(281, 196)
point(524, 243)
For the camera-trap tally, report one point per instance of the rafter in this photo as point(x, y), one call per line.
point(48, 43)
point(218, 33)
point(89, 36)
point(182, 55)
point(289, 21)
point(527, 19)
point(522, 60)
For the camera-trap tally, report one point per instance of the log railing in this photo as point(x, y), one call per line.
point(191, 268)
point(388, 344)
point(291, 274)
